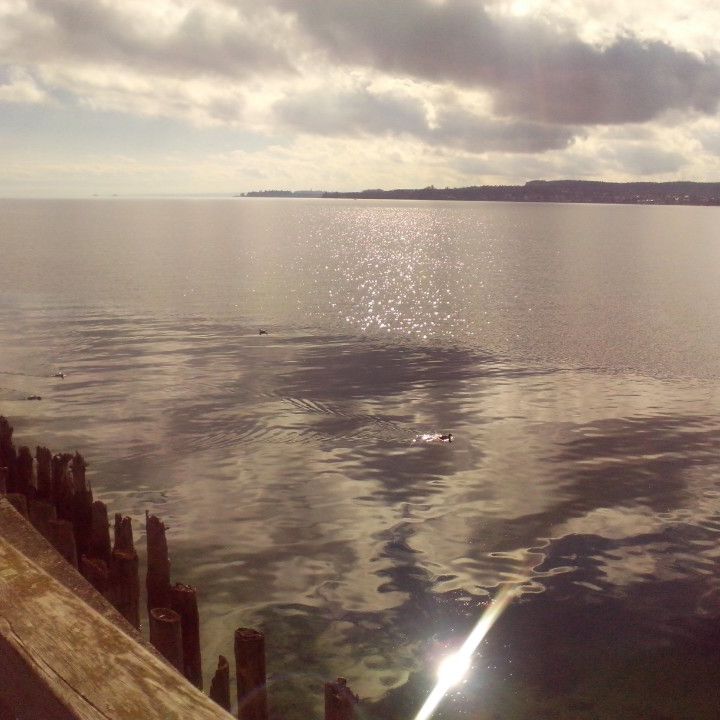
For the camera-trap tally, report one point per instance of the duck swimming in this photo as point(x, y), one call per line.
point(434, 438)
point(262, 332)
point(59, 375)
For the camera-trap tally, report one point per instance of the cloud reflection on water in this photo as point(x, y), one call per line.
point(296, 499)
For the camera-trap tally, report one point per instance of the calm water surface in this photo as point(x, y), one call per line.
point(571, 349)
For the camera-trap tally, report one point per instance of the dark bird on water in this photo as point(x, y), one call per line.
point(434, 438)
point(262, 332)
point(59, 375)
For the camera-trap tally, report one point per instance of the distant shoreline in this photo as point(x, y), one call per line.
point(562, 191)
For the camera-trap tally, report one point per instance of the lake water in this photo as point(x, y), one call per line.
point(572, 350)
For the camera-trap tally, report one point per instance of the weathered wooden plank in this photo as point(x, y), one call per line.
point(63, 660)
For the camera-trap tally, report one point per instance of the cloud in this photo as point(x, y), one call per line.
point(647, 159)
point(195, 40)
point(351, 112)
point(360, 111)
point(534, 71)
point(342, 94)
point(17, 86)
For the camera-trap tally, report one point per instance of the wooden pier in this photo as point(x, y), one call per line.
point(66, 653)
point(70, 646)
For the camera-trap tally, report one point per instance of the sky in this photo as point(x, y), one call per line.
point(225, 96)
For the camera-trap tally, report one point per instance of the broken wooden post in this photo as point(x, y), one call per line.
point(183, 600)
point(24, 482)
point(62, 486)
point(62, 536)
point(3, 480)
point(165, 635)
point(125, 585)
point(96, 572)
point(43, 458)
point(250, 674)
point(220, 685)
point(340, 701)
point(157, 581)
point(19, 502)
point(8, 457)
point(41, 514)
point(100, 533)
point(123, 533)
point(82, 505)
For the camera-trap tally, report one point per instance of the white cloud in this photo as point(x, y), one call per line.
point(20, 87)
point(465, 92)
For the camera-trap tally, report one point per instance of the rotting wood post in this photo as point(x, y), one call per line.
point(19, 502)
point(123, 539)
point(82, 505)
point(220, 685)
point(62, 536)
point(24, 472)
point(3, 480)
point(157, 581)
point(250, 674)
point(166, 635)
point(100, 534)
point(340, 701)
point(96, 572)
point(8, 457)
point(6, 712)
point(43, 458)
point(183, 599)
point(41, 514)
point(62, 486)
point(125, 585)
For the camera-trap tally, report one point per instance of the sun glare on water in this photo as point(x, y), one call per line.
point(454, 668)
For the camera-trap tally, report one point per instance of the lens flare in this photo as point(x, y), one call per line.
point(453, 668)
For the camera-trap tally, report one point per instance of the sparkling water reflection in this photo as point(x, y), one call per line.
point(571, 351)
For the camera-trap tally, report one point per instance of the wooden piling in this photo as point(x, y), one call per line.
point(100, 532)
point(183, 599)
point(82, 505)
point(19, 502)
point(157, 581)
point(41, 514)
point(8, 457)
point(220, 685)
point(62, 536)
point(96, 572)
point(123, 533)
point(166, 635)
point(3, 480)
point(340, 701)
point(24, 482)
point(250, 674)
point(125, 585)
point(62, 485)
point(43, 459)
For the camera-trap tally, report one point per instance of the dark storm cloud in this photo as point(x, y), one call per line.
point(361, 112)
point(104, 33)
point(532, 70)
